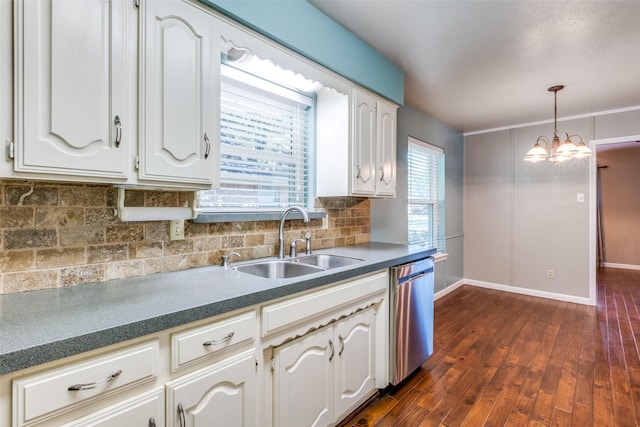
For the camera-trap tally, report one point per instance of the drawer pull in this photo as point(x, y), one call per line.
point(152, 422)
point(333, 350)
point(220, 341)
point(89, 386)
point(341, 345)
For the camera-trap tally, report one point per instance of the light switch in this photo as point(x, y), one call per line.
point(580, 198)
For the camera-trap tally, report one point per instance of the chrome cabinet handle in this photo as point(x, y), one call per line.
point(152, 422)
point(341, 345)
point(359, 174)
point(333, 350)
point(118, 125)
point(220, 341)
point(382, 176)
point(182, 419)
point(207, 146)
point(100, 383)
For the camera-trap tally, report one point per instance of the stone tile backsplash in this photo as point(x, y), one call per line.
point(54, 234)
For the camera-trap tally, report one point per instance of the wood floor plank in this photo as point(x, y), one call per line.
point(515, 360)
point(581, 416)
point(520, 414)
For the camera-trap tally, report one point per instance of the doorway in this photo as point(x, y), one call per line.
point(593, 207)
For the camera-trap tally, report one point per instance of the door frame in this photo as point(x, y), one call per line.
point(593, 172)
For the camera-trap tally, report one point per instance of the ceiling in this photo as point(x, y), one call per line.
point(479, 65)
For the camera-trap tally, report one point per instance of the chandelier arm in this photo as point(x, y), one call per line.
point(544, 139)
point(572, 136)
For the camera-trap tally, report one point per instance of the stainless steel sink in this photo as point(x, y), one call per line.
point(277, 269)
point(327, 261)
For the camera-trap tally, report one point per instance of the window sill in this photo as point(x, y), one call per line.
point(212, 217)
point(440, 256)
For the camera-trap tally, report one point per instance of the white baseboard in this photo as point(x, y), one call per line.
point(448, 289)
point(530, 292)
point(623, 266)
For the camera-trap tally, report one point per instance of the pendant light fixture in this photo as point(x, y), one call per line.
point(554, 150)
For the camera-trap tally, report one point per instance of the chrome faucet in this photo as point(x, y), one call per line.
point(305, 217)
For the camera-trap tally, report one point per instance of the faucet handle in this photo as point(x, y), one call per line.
point(293, 249)
point(307, 247)
point(225, 259)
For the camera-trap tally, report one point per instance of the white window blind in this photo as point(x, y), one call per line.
point(425, 164)
point(265, 146)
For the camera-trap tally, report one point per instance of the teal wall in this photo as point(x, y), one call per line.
point(301, 27)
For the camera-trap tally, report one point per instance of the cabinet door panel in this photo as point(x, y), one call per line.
point(144, 410)
point(70, 84)
point(354, 368)
point(386, 172)
point(303, 381)
point(178, 94)
point(224, 394)
point(364, 143)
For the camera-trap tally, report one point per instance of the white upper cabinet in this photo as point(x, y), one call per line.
point(180, 95)
point(386, 153)
point(356, 152)
point(74, 114)
point(364, 144)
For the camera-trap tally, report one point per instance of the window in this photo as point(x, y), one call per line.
point(425, 164)
point(266, 135)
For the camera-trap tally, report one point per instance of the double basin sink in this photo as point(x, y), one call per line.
point(293, 267)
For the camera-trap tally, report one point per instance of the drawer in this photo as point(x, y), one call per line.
point(278, 316)
point(144, 410)
point(194, 344)
point(42, 396)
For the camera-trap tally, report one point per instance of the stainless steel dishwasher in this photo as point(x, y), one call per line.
point(411, 327)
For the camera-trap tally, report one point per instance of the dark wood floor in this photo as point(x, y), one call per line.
point(506, 359)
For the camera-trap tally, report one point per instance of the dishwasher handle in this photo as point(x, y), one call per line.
point(405, 271)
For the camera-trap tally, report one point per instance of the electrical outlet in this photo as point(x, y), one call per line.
point(176, 229)
point(549, 274)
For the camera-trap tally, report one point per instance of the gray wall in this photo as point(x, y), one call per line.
point(522, 219)
point(389, 216)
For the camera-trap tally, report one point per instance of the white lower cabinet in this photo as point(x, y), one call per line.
point(146, 410)
point(223, 394)
point(46, 395)
point(211, 372)
point(354, 368)
point(303, 380)
point(320, 377)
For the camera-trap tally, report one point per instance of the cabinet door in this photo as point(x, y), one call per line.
point(146, 410)
point(303, 381)
point(386, 156)
point(221, 395)
point(179, 127)
point(363, 165)
point(354, 362)
point(72, 115)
